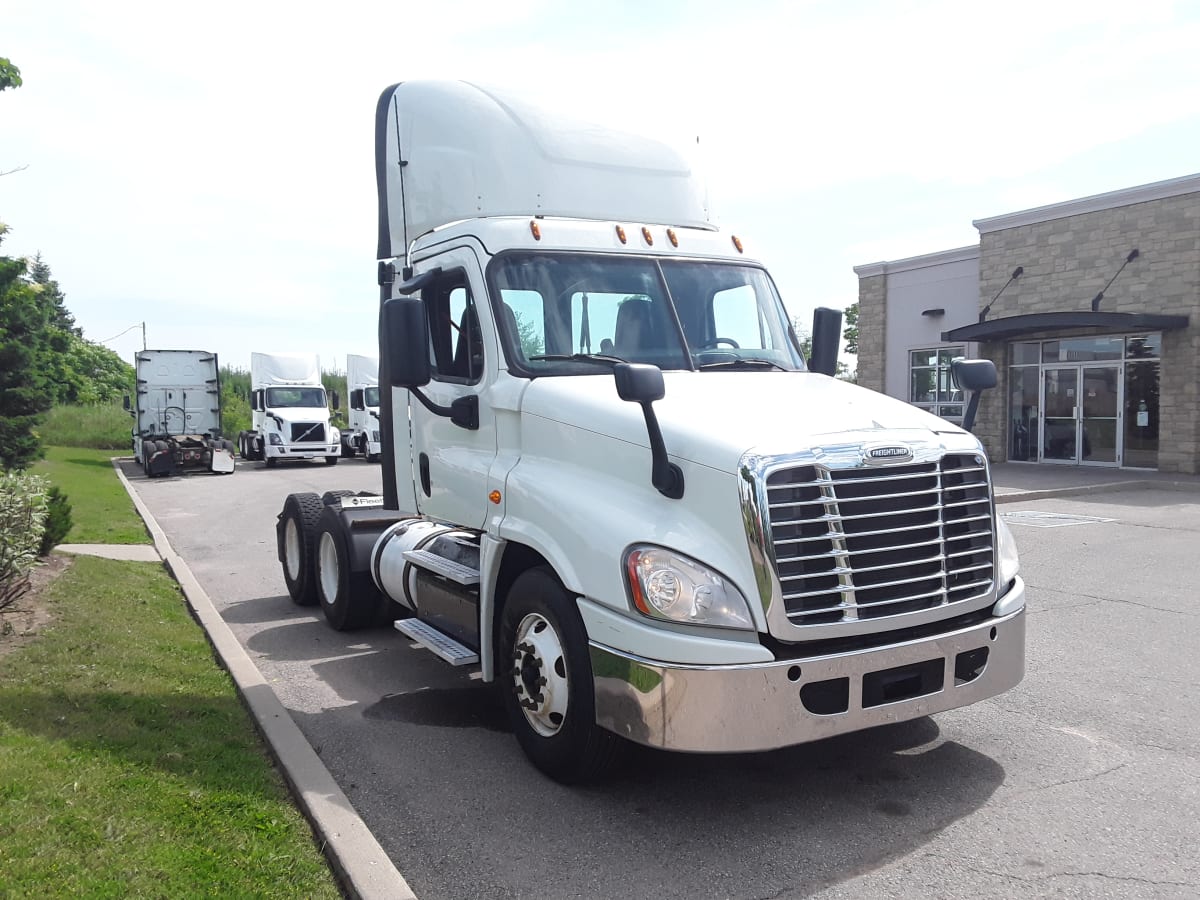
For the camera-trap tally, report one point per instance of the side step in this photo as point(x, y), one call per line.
point(436, 641)
point(439, 565)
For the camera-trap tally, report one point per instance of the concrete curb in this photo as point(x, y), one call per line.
point(1027, 496)
point(363, 868)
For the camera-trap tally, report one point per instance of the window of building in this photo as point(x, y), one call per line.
point(931, 385)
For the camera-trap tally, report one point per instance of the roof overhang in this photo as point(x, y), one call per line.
point(1017, 326)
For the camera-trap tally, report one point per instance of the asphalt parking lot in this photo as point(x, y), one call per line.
point(1081, 782)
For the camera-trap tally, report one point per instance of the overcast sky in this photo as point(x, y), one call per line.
point(208, 168)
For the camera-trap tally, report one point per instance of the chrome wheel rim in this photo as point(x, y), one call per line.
point(291, 549)
point(540, 675)
point(328, 564)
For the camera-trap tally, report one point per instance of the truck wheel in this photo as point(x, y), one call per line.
point(243, 450)
point(347, 448)
point(546, 673)
point(349, 599)
point(272, 462)
point(332, 460)
point(297, 539)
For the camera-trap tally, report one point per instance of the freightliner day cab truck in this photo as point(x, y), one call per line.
point(289, 411)
point(176, 409)
point(611, 481)
point(362, 389)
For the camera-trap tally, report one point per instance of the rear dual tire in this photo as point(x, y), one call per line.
point(297, 536)
point(349, 599)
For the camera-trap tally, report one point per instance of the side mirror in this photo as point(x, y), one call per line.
point(643, 384)
point(336, 400)
point(826, 339)
point(125, 403)
point(404, 330)
point(976, 376)
point(639, 383)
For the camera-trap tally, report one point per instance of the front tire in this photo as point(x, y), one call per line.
point(332, 460)
point(546, 673)
point(297, 544)
point(349, 599)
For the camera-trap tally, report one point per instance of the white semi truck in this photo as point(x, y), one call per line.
point(362, 408)
point(176, 409)
point(612, 482)
point(289, 411)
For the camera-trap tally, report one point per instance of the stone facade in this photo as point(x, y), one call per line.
point(1067, 261)
point(872, 330)
point(1069, 252)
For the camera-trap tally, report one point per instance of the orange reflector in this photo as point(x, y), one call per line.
point(672, 237)
point(535, 230)
point(621, 234)
point(649, 238)
point(494, 496)
point(737, 242)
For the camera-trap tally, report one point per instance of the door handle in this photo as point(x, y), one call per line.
point(423, 467)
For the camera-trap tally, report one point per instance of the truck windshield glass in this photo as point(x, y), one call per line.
point(371, 396)
point(282, 397)
point(675, 314)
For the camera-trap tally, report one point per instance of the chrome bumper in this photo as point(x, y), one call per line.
point(718, 709)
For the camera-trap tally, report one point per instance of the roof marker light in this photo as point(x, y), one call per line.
point(672, 237)
point(535, 230)
point(648, 236)
point(737, 242)
point(621, 234)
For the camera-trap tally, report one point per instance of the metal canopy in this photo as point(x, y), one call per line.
point(1016, 326)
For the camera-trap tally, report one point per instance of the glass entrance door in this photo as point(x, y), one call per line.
point(1060, 414)
point(1081, 409)
point(1100, 405)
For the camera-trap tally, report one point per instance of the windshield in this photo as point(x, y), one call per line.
point(295, 396)
point(371, 396)
point(557, 309)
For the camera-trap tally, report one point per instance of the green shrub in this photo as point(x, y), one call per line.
point(98, 426)
point(23, 508)
point(58, 520)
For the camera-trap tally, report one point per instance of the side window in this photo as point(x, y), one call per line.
point(456, 345)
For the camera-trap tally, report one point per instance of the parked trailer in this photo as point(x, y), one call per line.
point(176, 408)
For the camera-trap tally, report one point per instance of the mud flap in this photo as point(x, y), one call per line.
point(222, 462)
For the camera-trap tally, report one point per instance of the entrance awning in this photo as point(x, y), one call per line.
point(1016, 326)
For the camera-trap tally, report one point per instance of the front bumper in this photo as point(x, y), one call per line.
point(717, 709)
point(305, 451)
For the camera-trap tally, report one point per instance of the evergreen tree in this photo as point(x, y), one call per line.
point(39, 274)
point(24, 337)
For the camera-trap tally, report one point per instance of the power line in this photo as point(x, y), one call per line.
point(141, 325)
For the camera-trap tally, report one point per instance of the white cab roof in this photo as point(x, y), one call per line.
point(449, 150)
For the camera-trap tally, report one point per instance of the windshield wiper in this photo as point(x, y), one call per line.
point(744, 363)
point(600, 359)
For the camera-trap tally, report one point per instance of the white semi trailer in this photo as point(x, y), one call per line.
point(176, 409)
point(612, 482)
point(362, 408)
point(289, 411)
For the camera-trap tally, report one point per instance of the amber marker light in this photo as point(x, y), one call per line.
point(737, 242)
point(535, 230)
point(620, 234)
point(672, 237)
point(494, 496)
point(648, 236)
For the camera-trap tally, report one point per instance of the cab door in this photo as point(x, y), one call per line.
point(450, 462)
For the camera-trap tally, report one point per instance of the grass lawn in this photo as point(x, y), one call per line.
point(128, 766)
point(101, 511)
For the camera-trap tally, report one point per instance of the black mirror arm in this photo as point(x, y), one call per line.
point(972, 409)
point(463, 412)
point(664, 474)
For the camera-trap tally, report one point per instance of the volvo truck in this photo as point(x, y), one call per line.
point(289, 411)
point(176, 410)
point(362, 392)
point(613, 484)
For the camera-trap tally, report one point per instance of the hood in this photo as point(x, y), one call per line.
point(714, 418)
point(300, 413)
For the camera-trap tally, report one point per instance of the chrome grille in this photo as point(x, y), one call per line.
point(853, 544)
point(308, 432)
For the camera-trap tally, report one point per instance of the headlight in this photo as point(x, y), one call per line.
point(1009, 564)
point(670, 586)
point(275, 439)
point(334, 435)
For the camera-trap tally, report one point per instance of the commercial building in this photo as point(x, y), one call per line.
point(1090, 310)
